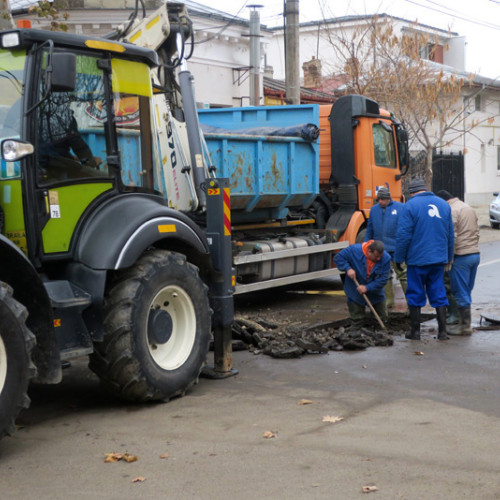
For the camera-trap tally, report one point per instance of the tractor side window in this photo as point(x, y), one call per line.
point(11, 87)
point(71, 142)
point(132, 92)
point(383, 143)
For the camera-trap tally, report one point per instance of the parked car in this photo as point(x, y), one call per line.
point(495, 211)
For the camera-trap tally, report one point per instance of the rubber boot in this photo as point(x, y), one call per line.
point(441, 319)
point(452, 317)
point(463, 327)
point(356, 315)
point(381, 310)
point(466, 320)
point(452, 313)
point(414, 333)
point(389, 294)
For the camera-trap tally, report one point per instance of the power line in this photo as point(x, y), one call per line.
point(452, 12)
point(224, 27)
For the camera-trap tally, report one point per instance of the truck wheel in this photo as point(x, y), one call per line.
point(361, 236)
point(157, 329)
point(16, 342)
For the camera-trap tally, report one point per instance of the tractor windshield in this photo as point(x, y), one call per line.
point(11, 87)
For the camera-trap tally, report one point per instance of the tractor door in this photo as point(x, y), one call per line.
point(91, 142)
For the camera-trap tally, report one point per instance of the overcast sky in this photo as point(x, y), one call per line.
point(477, 20)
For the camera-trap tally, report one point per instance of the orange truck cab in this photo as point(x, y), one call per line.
point(362, 148)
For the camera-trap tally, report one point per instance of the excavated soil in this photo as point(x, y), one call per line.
point(284, 338)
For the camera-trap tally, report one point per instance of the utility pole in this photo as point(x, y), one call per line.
point(292, 71)
point(254, 55)
point(6, 21)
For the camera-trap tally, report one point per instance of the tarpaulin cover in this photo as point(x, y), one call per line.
point(307, 131)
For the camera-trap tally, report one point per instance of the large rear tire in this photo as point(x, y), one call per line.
point(157, 329)
point(16, 342)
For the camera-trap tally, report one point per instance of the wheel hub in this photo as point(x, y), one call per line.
point(160, 326)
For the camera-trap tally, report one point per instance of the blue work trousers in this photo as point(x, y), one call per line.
point(426, 281)
point(462, 276)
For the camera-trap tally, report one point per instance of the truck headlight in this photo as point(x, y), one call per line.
point(13, 150)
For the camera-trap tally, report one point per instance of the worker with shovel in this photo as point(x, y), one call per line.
point(367, 268)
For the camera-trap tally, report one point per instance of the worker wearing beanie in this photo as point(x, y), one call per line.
point(383, 225)
point(425, 242)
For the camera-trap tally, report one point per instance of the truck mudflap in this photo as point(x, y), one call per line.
point(17, 271)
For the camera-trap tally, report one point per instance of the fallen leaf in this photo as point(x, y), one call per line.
point(332, 420)
point(129, 458)
point(305, 402)
point(270, 434)
point(165, 455)
point(419, 353)
point(369, 489)
point(138, 479)
point(112, 457)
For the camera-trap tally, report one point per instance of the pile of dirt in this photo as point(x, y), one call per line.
point(285, 339)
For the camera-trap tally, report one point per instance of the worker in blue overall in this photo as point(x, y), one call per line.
point(425, 242)
point(369, 265)
point(382, 225)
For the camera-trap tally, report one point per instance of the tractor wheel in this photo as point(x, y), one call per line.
point(16, 342)
point(156, 329)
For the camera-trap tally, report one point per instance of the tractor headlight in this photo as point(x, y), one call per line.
point(9, 40)
point(13, 150)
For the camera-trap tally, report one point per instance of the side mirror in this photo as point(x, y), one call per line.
point(13, 149)
point(63, 78)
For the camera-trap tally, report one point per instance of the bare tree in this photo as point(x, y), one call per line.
point(396, 69)
point(51, 12)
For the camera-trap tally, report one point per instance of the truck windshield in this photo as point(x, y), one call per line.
point(11, 87)
point(383, 142)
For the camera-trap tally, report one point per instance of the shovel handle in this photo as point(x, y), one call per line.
point(380, 322)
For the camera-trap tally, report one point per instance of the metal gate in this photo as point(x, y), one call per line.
point(448, 173)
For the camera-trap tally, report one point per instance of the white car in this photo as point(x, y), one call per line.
point(495, 211)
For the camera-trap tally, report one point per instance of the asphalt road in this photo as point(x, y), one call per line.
point(420, 420)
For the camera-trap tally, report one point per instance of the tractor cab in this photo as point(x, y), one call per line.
point(78, 116)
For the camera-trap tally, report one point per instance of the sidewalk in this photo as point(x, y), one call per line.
point(483, 214)
point(487, 234)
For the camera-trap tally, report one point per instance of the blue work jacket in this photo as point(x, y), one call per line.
point(383, 224)
point(425, 231)
point(353, 257)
